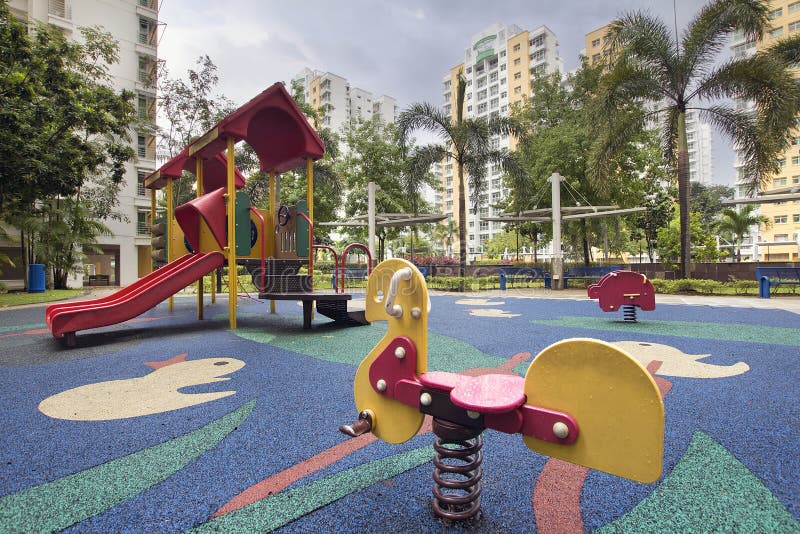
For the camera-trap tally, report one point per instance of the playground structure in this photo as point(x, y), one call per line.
point(220, 226)
point(582, 400)
point(624, 289)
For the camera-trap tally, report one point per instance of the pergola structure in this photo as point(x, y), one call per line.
point(554, 216)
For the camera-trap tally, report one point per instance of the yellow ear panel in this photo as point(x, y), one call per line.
point(615, 401)
point(393, 421)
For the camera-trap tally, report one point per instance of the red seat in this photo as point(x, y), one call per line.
point(493, 394)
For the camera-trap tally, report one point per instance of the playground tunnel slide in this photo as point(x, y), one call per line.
point(67, 318)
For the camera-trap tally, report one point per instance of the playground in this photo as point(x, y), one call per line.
point(389, 409)
point(242, 433)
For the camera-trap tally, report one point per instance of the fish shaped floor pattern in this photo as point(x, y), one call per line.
point(157, 392)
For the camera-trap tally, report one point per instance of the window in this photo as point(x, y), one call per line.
point(502, 81)
point(775, 14)
point(794, 26)
point(595, 58)
point(481, 82)
point(147, 31)
point(517, 90)
point(516, 47)
point(778, 181)
point(794, 7)
point(795, 161)
point(140, 190)
point(776, 32)
point(493, 76)
point(517, 75)
point(504, 94)
point(502, 67)
point(795, 141)
point(493, 90)
point(795, 179)
point(484, 225)
point(482, 95)
point(596, 42)
point(142, 224)
point(469, 108)
point(145, 146)
point(494, 103)
point(146, 71)
point(502, 53)
point(146, 107)
point(796, 218)
point(482, 108)
point(781, 162)
point(472, 224)
point(517, 61)
point(447, 85)
point(781, 237)
point(781, 219)
point(538, 55)
point(469, 69)
point(537, 41)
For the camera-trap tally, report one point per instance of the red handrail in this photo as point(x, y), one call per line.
point(335, 260)
point(344, 259)
point(263, 242)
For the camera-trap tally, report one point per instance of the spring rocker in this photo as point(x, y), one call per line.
point(582, 400)
point(624, 289)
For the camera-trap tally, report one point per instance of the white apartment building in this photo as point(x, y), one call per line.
point(341, 103)
point(499, 64)
point(698, 138)
point(134, 24)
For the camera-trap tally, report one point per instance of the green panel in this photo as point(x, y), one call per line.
point(302, 230)
point(243, 241)
point(485, 54)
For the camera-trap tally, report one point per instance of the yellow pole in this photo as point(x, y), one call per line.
point(310, 202)
point(231, 196)
point(152, 222)
point(199, 177)
point(168, 222)
point(272, 208)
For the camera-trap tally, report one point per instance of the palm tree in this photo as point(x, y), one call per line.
point(678, 76)
point(466, 143)
point(738, 223)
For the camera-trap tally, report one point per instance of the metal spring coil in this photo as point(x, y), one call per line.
point(457, 475)
point(629, 313)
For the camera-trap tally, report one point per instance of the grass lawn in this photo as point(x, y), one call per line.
point(20, 297)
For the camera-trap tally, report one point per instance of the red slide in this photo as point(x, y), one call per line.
point(67, 318)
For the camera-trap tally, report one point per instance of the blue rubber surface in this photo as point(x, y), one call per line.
point(299, 386)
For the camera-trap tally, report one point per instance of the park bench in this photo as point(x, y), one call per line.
point(769, 277)
point(592, 272)
point(98, 279)
point(521, 274)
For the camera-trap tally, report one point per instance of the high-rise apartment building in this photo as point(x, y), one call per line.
point(341, 103)
point(498, 65)
point(133, 23)
point(698, 133)
point(779, 241)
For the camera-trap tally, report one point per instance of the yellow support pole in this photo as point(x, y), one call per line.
point(272, 209)
point(310, 202)
point(232, 281)
point(310, 191)
point(168, 223)
point(199, 177)
point(152, 222)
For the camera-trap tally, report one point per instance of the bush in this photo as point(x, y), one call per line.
point(3, 288)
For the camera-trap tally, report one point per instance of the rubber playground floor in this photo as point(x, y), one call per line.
point(170, 424)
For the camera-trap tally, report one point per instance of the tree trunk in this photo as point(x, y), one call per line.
point(683, 198)
point(462, 223)
point(586, 258)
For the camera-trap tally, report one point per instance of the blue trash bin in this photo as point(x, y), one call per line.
point(36, 278)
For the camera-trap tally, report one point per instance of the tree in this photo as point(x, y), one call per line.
point(660, 206)
point(189, 107)
point(64, 128)
point(556, 133)
point(668, 242)
point(738, 223)
point(466, 143)
point(678, 76)
point(373, 153)
point(707, 201)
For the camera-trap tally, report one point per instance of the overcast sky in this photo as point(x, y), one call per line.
point(401, 48)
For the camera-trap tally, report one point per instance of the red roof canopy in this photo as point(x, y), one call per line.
point(215, 172)
point(273, 125)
